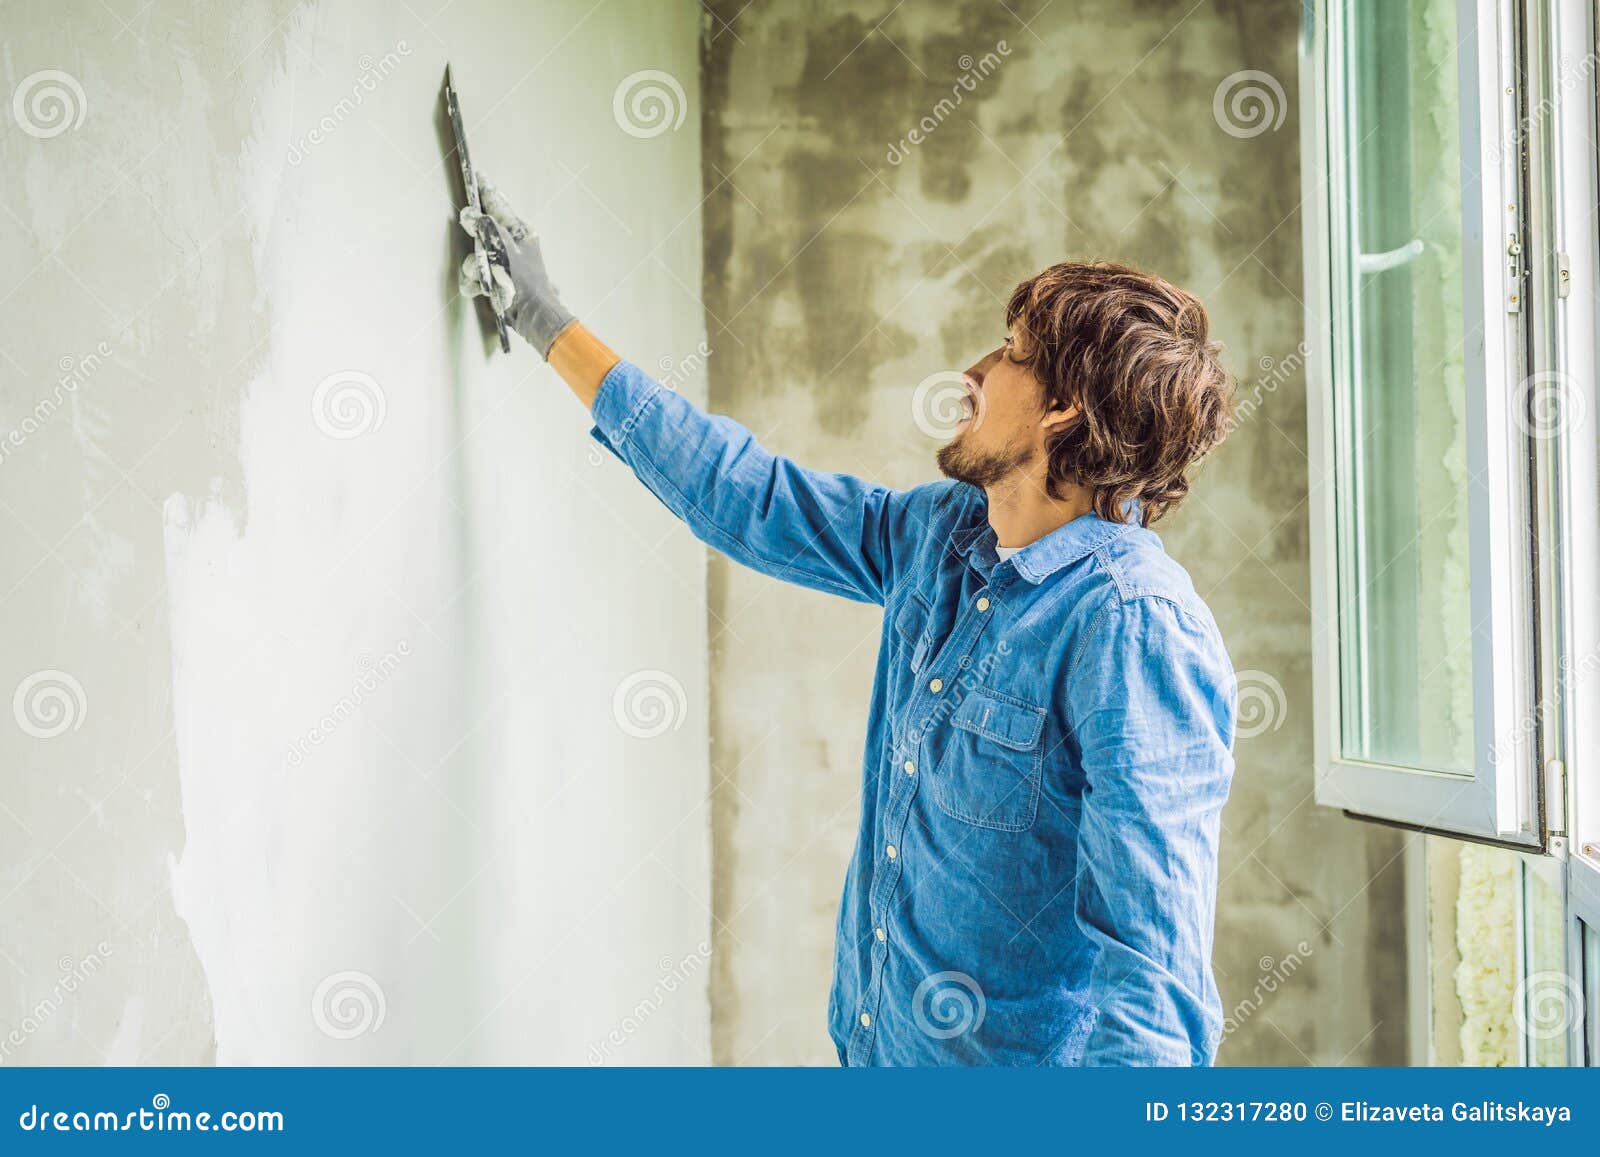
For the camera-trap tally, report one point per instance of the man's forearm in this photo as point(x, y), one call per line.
point(582, 360)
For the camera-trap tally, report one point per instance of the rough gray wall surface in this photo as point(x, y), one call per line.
point(845, 263)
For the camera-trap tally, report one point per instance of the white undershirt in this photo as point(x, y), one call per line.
point(1006, 552)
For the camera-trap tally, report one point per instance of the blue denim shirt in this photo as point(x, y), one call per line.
point(1048, 753)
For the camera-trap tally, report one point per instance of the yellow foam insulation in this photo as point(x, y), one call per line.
point(1486, 937)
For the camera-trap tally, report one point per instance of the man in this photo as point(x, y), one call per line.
point(1049, 735)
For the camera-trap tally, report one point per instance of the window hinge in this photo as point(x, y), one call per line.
point(1513, 274)
point(1563, 275)
point(1555, 797)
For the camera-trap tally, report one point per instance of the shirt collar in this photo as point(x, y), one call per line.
point(1042, 558)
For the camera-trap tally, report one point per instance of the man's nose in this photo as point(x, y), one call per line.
point(982, 366)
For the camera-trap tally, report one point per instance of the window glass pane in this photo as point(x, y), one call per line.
point(1591, 997)
point(1550, 1000)
point(1404, 610)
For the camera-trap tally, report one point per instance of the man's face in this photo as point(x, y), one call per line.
point(1005, 430)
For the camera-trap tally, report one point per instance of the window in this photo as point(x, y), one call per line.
point(1422, 528)
point(1402, 567)
point(1452, 229)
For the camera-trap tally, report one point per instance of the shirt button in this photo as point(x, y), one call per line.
point(936, 686)
point(882, 935)
point(983, 604)
point(891, 851)
point(911, 767)
point(866, 1020)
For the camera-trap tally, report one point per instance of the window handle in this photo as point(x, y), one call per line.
point(1390, 259)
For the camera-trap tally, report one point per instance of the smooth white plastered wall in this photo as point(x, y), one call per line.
point(408, 825)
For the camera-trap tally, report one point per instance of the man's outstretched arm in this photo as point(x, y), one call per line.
point(830, 532)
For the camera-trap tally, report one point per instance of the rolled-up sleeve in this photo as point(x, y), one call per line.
point(1151, 705)
point(830, 532)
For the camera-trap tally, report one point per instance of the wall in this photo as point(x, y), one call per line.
point(338, 773)
point(846, 262)
point(359, 716)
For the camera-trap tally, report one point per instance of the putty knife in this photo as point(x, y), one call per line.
point(488, 246)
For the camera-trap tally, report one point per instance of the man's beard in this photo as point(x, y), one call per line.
point(984, 469)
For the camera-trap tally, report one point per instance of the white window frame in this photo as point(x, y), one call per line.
point(1571, 53)
point(1501, 801)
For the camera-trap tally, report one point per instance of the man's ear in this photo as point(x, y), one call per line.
point(1059, 416)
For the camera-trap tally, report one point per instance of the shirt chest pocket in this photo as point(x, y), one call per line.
point(989, 772)
point(912, 623)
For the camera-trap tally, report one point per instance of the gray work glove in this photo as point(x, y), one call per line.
point(522, 289)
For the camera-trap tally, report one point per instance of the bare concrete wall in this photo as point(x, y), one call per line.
point(846, 262)
point(353, 713)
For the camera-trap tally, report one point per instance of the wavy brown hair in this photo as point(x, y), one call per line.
point(1134, 353)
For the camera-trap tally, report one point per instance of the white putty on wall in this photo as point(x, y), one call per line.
point(352, 600)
